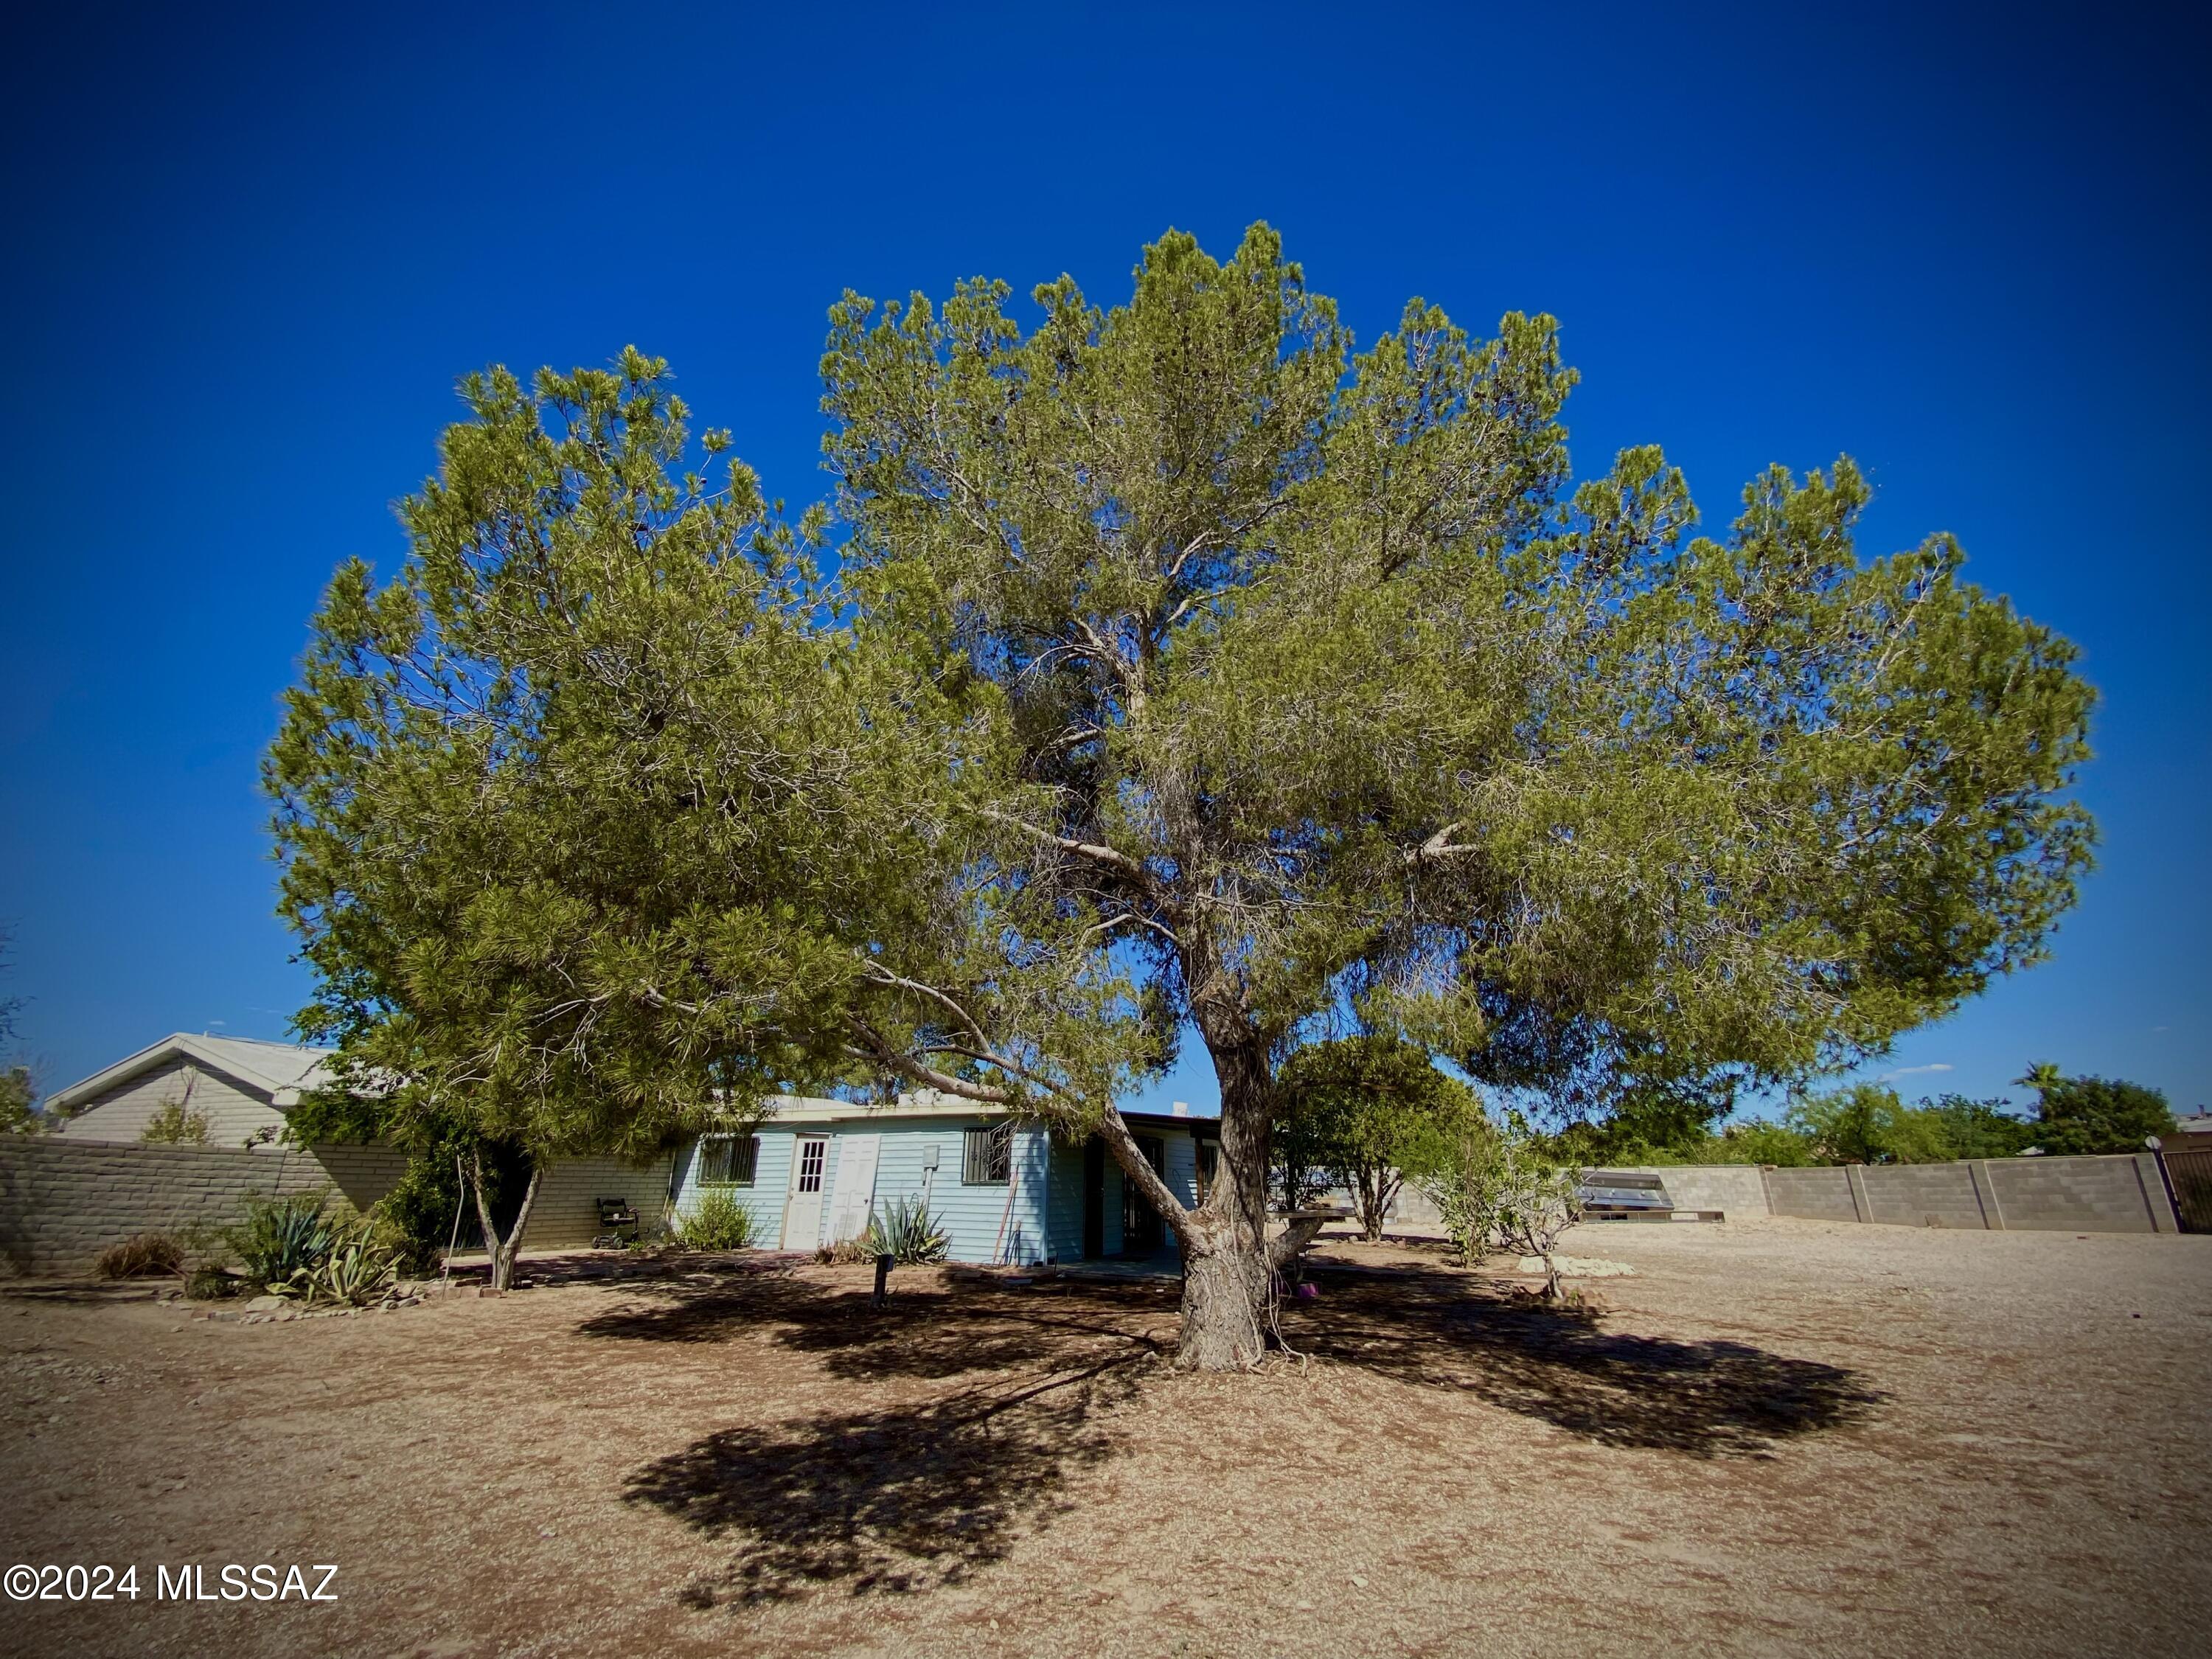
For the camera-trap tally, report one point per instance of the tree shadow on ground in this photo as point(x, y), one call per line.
point(908, 1495)
point(932, 1334)
point(902, 1498)
point(1705, 1399)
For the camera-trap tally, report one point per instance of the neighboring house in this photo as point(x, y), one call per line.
point(241, 1085)
point(1000, 1191)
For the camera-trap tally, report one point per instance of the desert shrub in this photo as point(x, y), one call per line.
point(906, 1232)
point(716, 1221)
point(173, 1124)
point(277, 1237)
point(1505, 1189)
point(142, 1255)
point(356, 1270)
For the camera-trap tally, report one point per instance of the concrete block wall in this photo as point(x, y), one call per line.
point(2123, 1193)
point(1924, 1195)
point(62, 1200)
point(1736, 1190)
point(1822, 1195)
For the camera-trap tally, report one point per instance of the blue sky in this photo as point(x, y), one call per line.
point(249, 250)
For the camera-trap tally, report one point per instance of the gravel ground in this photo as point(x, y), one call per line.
point(1778, 1437)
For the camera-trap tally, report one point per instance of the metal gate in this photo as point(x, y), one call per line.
point(2189, 1177)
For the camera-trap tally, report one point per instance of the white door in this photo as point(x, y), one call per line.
point(802, 1209)
point(854, 1198)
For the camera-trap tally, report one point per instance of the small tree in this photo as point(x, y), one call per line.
point(1370, 1110)
point(1460, 1178)
point(1536, 1201)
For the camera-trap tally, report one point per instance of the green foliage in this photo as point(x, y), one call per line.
point(142, 1255)
point(173, 1123)
point(419, 1212)
point(1460, 1178)
point(717, 1221)
point(19, 1104)
point(1981, 1128)
point(278, 1238)
point(1313, 680)
point(1503, 1190)
point(1756, 1141)
point(905, 1231)
point(1369, 1112)
point(2081, 1114)
point(569, 808)
point(1868, 1124)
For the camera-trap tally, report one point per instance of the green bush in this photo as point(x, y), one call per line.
point(174, 1125)
point(906, 1232)
point(717, 1221)
point(418, 1214)
point(279, 1238)
point(142, 1255)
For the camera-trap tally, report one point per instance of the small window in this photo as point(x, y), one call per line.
point(728, 1160)
point(812, 1153)
point(987, 1156)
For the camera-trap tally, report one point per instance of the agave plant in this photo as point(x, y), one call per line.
point(906, 1232)
point(282, 1237)
point(356, 1271)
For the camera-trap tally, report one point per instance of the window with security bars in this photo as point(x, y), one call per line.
point(987, 1156)
point(728, 1160)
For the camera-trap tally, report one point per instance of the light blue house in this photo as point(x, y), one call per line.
point(1000, 1191)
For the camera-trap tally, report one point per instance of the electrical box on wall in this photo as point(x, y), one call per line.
point(929, 1156)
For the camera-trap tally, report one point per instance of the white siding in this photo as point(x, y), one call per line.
point(122, 1112)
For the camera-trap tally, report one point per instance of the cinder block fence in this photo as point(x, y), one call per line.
point(2125, 1193)
point(63, 1201)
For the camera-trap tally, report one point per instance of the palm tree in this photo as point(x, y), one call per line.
point(2042, 1077)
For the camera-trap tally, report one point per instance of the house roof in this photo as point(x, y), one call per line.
point(282, 1071)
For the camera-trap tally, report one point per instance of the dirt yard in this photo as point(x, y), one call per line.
point(1782, 1437)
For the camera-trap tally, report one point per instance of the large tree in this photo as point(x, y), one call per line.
point(1312, 684)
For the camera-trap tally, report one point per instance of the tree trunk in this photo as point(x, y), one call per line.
point(1228, 1270)
point(504, 1250)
